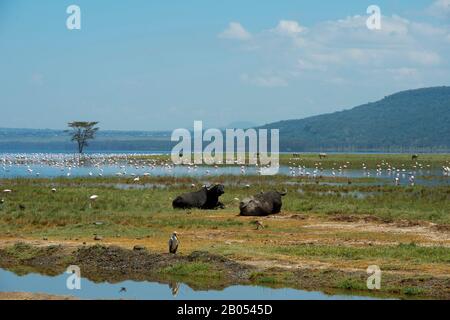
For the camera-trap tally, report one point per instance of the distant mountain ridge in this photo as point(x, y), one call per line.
point(414, 119)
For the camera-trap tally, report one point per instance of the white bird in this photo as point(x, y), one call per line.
point(53, 190)
point(7, 191)
point(173, 243)
point(93, 197)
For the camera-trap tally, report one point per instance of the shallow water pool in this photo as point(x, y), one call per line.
point(36, 283)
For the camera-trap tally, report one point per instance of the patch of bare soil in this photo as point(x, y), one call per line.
point(129, 263)
point(442, 227)
point(299, 216)
point(358, 218)
point(115, 264)
point(31, 296)
point(428, 233)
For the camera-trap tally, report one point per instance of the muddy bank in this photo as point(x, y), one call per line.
point(199, 270)
point(31, 296)
point(205, 271)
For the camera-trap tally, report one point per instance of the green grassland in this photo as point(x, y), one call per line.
point(326, 224)
point(336, 160)
point(32, 208)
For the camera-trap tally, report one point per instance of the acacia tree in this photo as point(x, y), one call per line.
point(82, 132)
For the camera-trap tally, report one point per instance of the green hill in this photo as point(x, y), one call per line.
point(409, 120)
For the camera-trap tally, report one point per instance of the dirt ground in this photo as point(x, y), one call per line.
point(340, 230)
point(243, 253)
point(31, 296)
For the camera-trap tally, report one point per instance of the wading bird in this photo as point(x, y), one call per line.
point(173, 243)
point(92, 199)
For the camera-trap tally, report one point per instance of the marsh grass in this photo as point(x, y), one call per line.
point(22, 251)
point(202, 270)
point(351, 284)
point(335, 160)
point(144, 212)
point(406, 253)
point(412, 291)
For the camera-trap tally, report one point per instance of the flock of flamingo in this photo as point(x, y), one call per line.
point(137, 166)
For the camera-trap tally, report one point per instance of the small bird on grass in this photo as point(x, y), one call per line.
point(22, 207)
point(173, 243)
point(259, 225)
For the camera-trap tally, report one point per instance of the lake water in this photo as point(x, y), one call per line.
point(62, 165)
point(46, 171)
point(35, 283)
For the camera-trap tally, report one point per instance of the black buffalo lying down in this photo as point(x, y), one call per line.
point(262, 204)
point(206, 198)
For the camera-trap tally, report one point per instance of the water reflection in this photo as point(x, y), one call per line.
point(175, 288)
point(35, 283)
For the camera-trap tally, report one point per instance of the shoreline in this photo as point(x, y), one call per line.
point(116, 262)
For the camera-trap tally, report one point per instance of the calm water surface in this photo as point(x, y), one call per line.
point(35, 283)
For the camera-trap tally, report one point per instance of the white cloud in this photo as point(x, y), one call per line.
point(424, 29)
point(346, 51)
point(401, 73)
point(426, 58)
point(290, 28)
point(353, 30)
point(235, 31)
point(440, 8)
point(308, 65)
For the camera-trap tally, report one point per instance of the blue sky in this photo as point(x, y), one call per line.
point(152, 65)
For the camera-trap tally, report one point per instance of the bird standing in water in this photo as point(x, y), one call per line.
point(173, 243)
